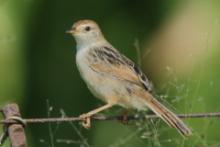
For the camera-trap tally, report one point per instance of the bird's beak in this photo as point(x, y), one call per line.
point(71, 31)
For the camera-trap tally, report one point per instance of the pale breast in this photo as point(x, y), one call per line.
point(83, 61)
point(94, 81)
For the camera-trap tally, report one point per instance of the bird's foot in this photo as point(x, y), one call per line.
point(85, 120)
point(124, 117)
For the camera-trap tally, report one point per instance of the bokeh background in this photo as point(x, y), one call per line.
point(175, 42)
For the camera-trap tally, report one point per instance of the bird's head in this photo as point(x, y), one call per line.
point(86, 32)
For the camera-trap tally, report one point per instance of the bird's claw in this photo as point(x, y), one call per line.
point(85, 120)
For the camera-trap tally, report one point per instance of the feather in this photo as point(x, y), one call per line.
point(118, 66)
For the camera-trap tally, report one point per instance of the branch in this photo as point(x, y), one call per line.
point(109, 118)
point(15, 132)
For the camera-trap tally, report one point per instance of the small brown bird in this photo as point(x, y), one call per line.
point(114, 78)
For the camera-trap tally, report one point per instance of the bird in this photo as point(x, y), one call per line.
point(114, 78)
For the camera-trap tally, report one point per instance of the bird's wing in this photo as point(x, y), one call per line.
point(111, 62)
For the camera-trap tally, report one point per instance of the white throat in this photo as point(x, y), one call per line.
point(88, 43)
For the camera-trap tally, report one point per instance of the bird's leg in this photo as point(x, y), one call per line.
point(86, 123)
point(125, 113)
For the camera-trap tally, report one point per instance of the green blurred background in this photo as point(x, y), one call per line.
point(176, 41)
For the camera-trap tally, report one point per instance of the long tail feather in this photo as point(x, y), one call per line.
point(165, 114)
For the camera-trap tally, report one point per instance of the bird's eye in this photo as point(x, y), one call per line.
point(88, 28)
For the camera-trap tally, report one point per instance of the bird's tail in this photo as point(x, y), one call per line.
point(165, 114)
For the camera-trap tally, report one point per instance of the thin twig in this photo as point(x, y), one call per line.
point(106, 118)
point(138, 51)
